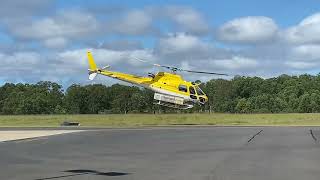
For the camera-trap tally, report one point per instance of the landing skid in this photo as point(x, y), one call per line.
point(172, 105)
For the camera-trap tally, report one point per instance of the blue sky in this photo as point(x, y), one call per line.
point(286, 12)
point(47, 40)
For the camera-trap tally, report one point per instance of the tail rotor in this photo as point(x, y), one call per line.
point(93, 69)
point(92, 76)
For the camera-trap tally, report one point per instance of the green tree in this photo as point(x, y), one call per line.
point(76, 99)
point(243, 106)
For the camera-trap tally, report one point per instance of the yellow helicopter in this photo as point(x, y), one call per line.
point(170, 89)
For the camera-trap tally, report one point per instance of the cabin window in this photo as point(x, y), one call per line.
point(192, 91)
point(183, 88)
point(199, 91)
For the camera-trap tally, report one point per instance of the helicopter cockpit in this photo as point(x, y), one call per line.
point(202, 96)
point(195, 92)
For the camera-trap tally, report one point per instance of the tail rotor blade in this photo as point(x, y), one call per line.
point(92, 76)
point(105, 67)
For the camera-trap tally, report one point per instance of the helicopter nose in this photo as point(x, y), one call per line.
point(203, 99)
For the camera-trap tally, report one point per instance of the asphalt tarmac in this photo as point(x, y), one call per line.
point(222, 153)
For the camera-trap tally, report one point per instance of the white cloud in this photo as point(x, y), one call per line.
point(55, 31)
point(191, 52)
point(118, 59)
point(300, 65)
point(135, 22)
point(144, 21)
point(21, 66)
point(306, 32)
point(78, 58)
point(179, 43)
point(19, 59)
point(70, 64)
point(57, 42)
point(66, 24)
point(252, 29)
point(236, 63)
point(309, 52)
point(187, 19)
point(17, 8)
point(121, 45)
point(74, 24)
point(190, 48)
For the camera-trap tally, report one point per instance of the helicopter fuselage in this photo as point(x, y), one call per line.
point(169, 88)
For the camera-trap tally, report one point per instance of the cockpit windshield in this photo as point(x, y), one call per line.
point(199, 91)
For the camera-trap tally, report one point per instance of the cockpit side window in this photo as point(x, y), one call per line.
point(199, 91)
point(192, 91)
point(183, 88)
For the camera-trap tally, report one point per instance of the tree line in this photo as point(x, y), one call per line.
point(283, 94)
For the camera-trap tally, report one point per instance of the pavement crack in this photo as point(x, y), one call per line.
point(213, 173)
point(313, 136)
point(254, 136)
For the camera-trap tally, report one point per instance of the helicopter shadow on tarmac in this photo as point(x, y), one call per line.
point(81, 172)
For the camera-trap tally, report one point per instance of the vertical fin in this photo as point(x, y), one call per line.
point(92, 64)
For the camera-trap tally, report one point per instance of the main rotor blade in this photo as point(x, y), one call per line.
point(203, 72)
point(141, 60)
point(158, 65)
point(172, 68)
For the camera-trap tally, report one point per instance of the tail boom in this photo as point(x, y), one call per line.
point(94, 71)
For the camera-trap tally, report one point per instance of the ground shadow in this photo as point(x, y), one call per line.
point(80, 172)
